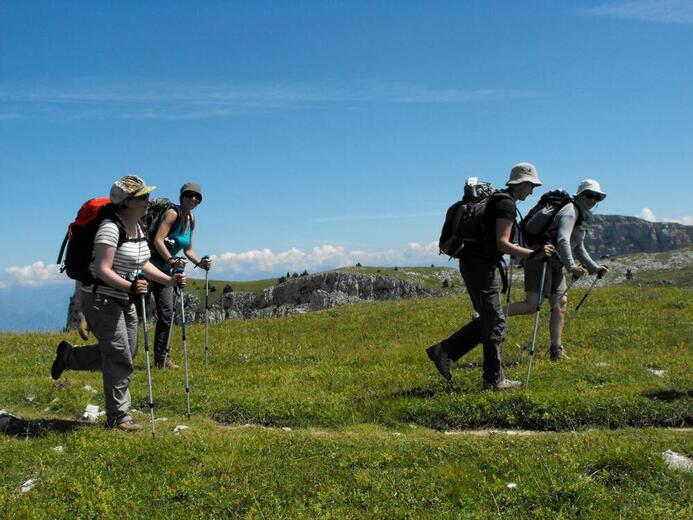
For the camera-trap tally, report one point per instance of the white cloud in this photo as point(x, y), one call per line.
point(167, 101)
point(34, 275)
point(664, 11)
point(320, 258)
point(647, 214)
point(259, 262)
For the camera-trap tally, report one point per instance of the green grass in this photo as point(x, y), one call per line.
point(366, 417)
point(680, 277)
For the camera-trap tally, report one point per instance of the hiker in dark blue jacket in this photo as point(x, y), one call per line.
point(479, 265)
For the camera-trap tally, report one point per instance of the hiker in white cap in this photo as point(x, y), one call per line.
point(479, 264)
point(567, 233)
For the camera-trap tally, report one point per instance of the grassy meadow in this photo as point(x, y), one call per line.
point(340, 414)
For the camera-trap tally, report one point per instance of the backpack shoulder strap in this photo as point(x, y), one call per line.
point(122, 235)
point(579, 218)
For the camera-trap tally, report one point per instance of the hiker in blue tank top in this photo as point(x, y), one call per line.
point(173, 236)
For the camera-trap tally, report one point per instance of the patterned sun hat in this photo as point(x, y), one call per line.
point(128, 187)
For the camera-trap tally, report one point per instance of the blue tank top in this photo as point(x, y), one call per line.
point(175, 241)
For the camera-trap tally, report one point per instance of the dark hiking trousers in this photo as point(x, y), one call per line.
point(163, 297)
point(482, 281)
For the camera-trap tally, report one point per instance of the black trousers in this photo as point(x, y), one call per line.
point(163, 297)
point(483, 284)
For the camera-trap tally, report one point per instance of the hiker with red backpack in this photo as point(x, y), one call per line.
point(171, 233)
point(478, 232)
point(107, 251)
point(561, 220)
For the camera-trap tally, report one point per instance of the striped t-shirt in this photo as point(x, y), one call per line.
point(128, 260)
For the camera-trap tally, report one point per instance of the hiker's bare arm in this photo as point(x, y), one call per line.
point(204, 263)
point(504, 243)
point(103, 260)
point(162, 233)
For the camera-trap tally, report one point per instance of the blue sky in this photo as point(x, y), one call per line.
point(326, 133)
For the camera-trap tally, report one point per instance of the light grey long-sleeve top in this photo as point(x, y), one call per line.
point(570, 238)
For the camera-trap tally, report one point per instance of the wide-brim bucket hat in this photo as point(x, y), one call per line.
point(592, 186)
point(523, 172)
point(129, 187)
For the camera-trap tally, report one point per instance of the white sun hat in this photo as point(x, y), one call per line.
point(590, 185)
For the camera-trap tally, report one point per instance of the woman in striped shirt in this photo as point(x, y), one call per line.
point(120, 254)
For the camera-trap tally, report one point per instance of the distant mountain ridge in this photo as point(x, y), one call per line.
point(613, 235)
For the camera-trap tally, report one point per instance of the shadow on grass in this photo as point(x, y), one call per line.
point(430, 392)
point(18, 427)
point(668, 395)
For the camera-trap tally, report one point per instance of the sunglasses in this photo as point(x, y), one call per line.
point(592, 196)
point(192, 195)
point(142, 197)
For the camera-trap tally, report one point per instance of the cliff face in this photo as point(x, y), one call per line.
point(317, 292)
point(611, 235)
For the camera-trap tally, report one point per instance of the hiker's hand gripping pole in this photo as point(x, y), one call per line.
point(600, 275)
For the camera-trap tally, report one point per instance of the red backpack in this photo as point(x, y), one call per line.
point(78, 245)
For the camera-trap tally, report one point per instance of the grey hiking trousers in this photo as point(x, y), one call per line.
point(114, 323)
point(482, 281)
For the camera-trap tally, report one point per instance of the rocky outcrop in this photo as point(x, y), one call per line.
point(611, 235)
point(317, 292)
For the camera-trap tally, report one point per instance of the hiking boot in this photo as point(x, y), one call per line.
point(440, 359)
point(128, 426)
point(506, 384)
point(60, 362)
point(556, 353)
point(169, 364)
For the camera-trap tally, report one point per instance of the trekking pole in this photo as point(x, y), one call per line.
point(507, 300)
point(577, 307)
point(167, 352)
point(185, 345)
point(170, 331)
point(510, 287)
point(540, 299)
point(206, 310)
point(140, 276)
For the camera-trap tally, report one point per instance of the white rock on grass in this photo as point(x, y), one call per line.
point(90, 388)
point(512, 485)
point(58, 449)
point(677, 461)
point(91, 412)
point(180, 428)
point(28, 485)
point(658, 373)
